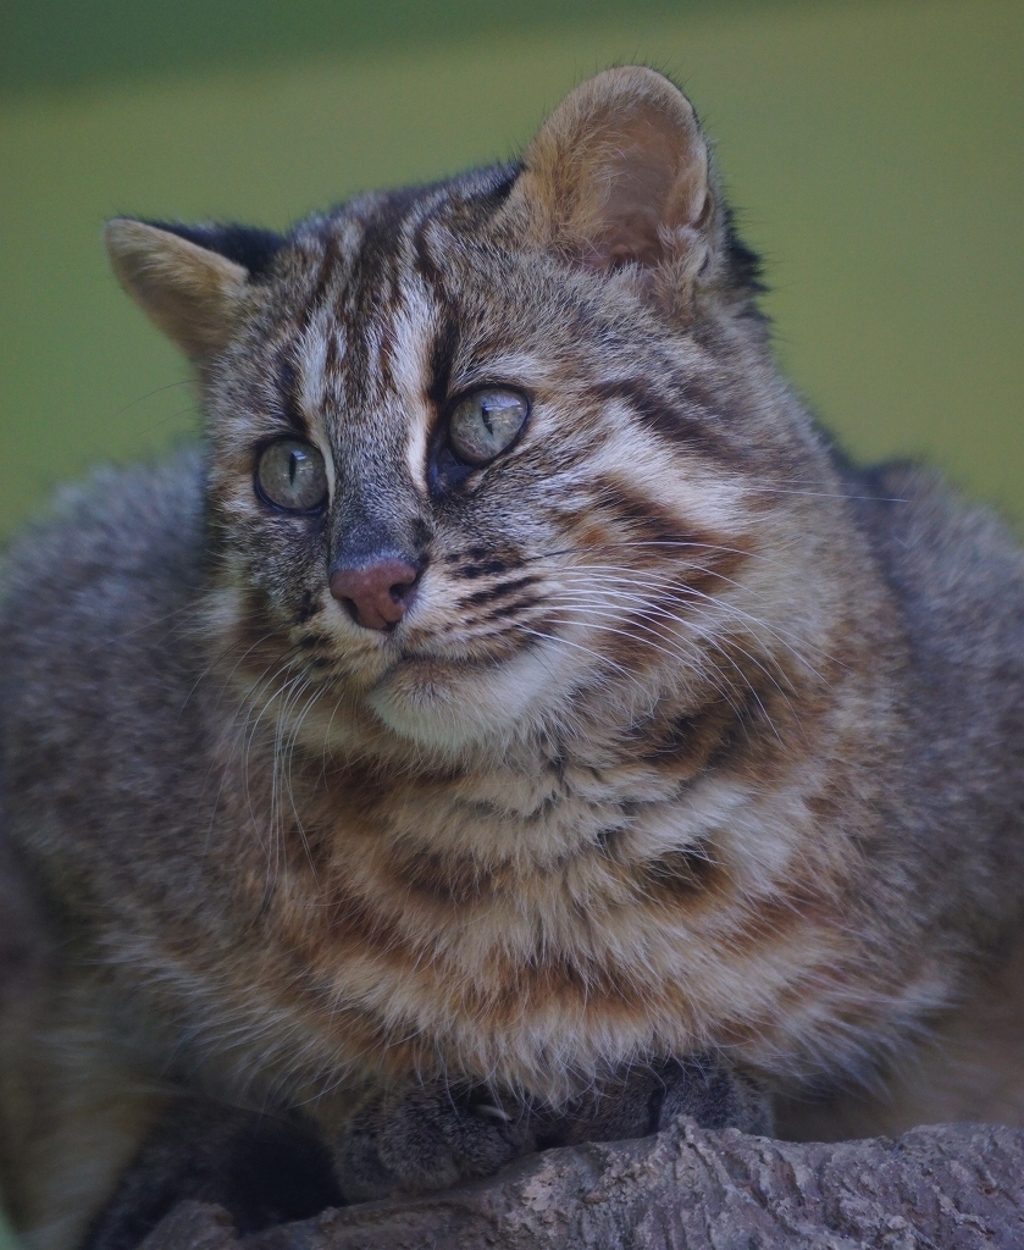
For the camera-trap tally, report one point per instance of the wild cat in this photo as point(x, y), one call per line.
point(516, 725)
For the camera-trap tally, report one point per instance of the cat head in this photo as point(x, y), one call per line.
point(497, 457)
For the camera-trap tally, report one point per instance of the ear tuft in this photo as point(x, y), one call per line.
point(192, 293)
point(619, 174)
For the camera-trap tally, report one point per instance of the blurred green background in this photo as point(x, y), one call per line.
point(872, 147)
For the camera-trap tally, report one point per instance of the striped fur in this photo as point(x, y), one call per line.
point(676, 749)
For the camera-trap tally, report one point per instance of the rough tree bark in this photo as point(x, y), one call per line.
point(957, 1186)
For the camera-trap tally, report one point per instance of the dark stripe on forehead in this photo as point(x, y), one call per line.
point(375, 296)
point(325, 272)
point(386, 352)
point(378, 263)
point(446, 336)
point(287, 378)
point(683, 415)
point(442, 354)
point(423, 259)
point(332, 353)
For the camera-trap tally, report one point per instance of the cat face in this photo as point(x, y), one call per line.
point(494, 458)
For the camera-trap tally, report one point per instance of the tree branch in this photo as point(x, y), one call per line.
point(687, 1188)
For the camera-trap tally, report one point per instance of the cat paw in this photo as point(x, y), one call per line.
point(646, 1099)
point(714, 1094)
point(427, 1137)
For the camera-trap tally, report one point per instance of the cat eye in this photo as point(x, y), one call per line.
point(486, 423)
point(291, 475)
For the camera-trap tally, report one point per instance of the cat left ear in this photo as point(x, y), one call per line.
point(619, 174)
point(190, 280)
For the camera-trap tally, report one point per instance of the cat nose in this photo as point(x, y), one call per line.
point(376, 594)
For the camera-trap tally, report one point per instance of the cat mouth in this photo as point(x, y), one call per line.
point(451, 655)
point(430, 661)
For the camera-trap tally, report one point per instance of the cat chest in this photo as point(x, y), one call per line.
point(418, 953)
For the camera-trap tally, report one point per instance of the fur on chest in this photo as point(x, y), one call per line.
point(538, 931)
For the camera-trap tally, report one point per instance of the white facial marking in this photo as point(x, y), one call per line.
point(312, 361)
point(412, 331)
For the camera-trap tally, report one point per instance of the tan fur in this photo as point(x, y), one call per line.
point(190, 293)
point(691, 739)
point(618, 173)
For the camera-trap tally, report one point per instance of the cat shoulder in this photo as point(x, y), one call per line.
point(123, 535)
point(956, 567)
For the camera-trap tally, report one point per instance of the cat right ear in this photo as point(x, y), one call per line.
point(189, 280)
point(619, 174)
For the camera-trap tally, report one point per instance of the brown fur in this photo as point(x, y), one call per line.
point(692, 740)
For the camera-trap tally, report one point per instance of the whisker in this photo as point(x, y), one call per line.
point(689, 593)
point(662, 543)
point(694, 657)
point(595, 655)
point(157, 390)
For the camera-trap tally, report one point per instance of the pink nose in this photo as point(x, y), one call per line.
point(375, 594)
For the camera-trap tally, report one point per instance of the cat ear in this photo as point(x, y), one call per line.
point(619, 174)
point(189, 279)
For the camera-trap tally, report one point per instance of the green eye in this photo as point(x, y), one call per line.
point(486, 423)
point(291, 475)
